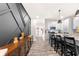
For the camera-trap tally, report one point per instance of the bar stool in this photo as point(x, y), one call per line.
point(70, 46)
point(59, 45)
point(53, 41)
point(51, 38)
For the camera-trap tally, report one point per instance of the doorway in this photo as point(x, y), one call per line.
point(38, 29)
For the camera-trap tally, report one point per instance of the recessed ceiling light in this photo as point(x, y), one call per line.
point(61, 17)
point(37, 17)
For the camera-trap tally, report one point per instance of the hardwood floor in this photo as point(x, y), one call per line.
point(41, 48)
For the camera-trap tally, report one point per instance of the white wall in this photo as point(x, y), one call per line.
point(38, 28)
point(75, 22)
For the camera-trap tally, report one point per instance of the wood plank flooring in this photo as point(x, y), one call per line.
point(41, 48)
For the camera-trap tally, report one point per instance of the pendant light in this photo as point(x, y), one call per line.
point(77, 13)
point(59, 20)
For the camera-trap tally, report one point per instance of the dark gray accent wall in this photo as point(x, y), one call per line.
point(8, 25)
point(3, 7)
point(27, 20)
point(16, 14)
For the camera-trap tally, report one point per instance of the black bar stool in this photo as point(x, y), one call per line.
point(52, 40)
point(70, 46)
point(59, 45)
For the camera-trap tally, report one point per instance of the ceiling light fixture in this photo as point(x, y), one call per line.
point(77, 13)
point(37, 17)
point(59, 20)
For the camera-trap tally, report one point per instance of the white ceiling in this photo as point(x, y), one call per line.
point(50, 10)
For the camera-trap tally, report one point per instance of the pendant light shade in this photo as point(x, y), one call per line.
point(59, 21)
point(77, 12)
